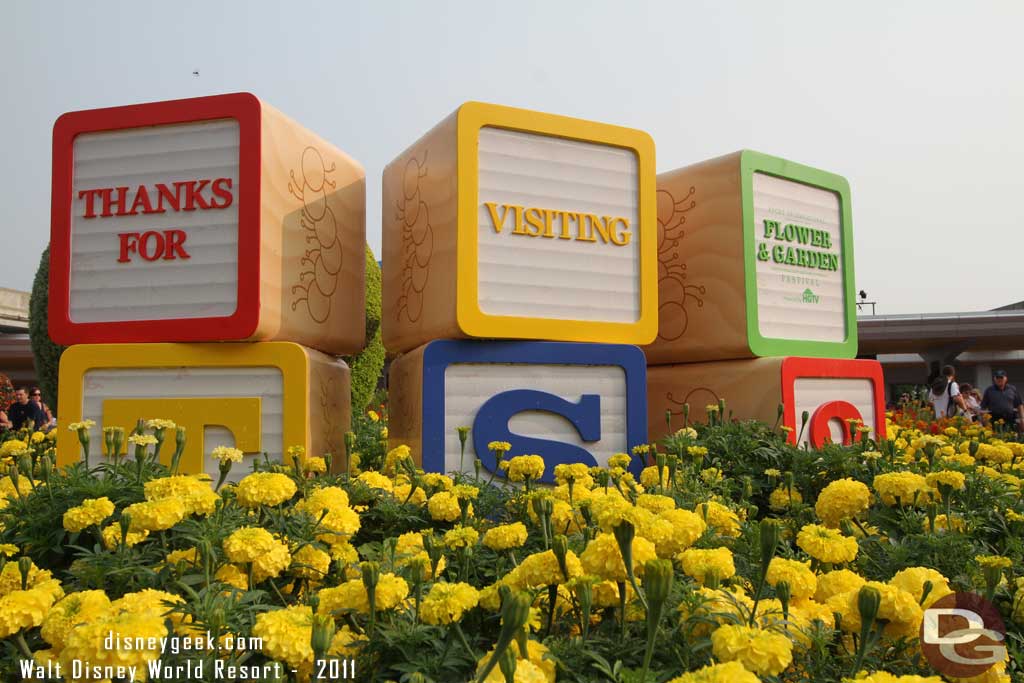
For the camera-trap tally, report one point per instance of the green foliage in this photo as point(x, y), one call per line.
point(367, 366)
point(45, 351)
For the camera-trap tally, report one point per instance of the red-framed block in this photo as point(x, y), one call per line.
point(830, 390)
point(207, 219)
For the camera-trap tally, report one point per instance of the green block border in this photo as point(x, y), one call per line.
point(751, 162)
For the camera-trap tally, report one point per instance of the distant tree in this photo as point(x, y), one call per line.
point(46, 352)
point(366, 367)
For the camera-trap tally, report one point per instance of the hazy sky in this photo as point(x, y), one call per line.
point(919, 104)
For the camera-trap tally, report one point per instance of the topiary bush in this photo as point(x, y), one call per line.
point(46, 353)
point(367, 366)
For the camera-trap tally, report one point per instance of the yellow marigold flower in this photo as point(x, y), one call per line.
point(448, 602)
point(526, 672)
point(701, 564)
point(655, 503)
point(264, 488)
point(501, 446)
point(763, 652)
point(902, 486)
point(286, 635)
point(12, 447)
point(155, 515)
point(193, 491)
point(523, 467)
point(912, 580)
point(1013, 516)
point(886, 677)
point(391, 591)
point(685, 528)
point(898, 607)
point(720, 518)
point(142, 440)
point(577, 472)
point(942, 524)
point(233, 575)
point(310, 562)
point(602, 557)
point(8, 549)
point(784, 497)
point(993, 561)
point(373, 415)
point(186, 555)
point(728, 672)
point(951, 478)
point(91, 511)
point(404, 493)
point(158, 423)
point(314, 465)
point(711, 475)
point(84, 424)
point(341, 522)
point(71, 611)
point(536, 666)
point(802, 581)
point(542, 569)
point(410, 548)
point(619, 460)
point(112, 536)
point(85, 642)
point(395, 457)
point(827, 545)
point(247, 543)
point(376, 480)
point(837, 582)
point(461, 537)
point(842, 498)
point(444, 507)
point(506, 536)
point(649, 477)
point(227, 454)
point(25, 609)
point(38, 437)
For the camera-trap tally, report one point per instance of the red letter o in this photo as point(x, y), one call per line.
point(826, 412)
point(144, 245)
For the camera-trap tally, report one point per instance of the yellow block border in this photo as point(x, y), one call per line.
point(291, 359)
point(473, 116)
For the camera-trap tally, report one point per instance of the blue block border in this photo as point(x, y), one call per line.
point(438, 355)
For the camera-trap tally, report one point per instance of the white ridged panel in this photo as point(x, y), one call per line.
point(205, 285)
point(178, 382)
point(811, 392)
point(468, 385)
point(781, 310)
point(540, 277)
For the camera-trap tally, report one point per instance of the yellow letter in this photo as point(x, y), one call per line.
point(533, 220)
point(241, 416)
point(495, 221)
point(518, 212)
point(620, 238)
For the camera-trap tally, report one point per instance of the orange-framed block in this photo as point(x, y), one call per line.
point(515, 224)
point(260, 397)
point(206, 219)
point(830, 390)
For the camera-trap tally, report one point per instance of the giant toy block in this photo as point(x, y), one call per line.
point(755, 259)
point(259, 397)
point(506, 223)
point(208, 219)
point(566, 401)
point(830, 390)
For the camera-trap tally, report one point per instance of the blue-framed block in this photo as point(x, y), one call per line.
point(418, 390)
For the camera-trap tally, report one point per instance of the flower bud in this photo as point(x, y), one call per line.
point(24, 567)
point(624, 533)
point(769, 541)
point(515, 611)
point(783, 592)
point(846, 526)
point(371, 575)
point(658, 578)
point(868, 602)
point(323, 634)
point(507, 665)
point(560, 546)
point(972, 447)
point(463, 435)
point(180, 436)
point(926, 588)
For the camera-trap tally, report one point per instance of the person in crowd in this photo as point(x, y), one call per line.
point(36, 395)
point(5, 423)
point(1003, 403)
point(23, 411)
point(945, 394)
point(972, 401)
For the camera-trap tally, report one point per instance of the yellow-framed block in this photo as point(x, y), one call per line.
point(448, 273)
point(261, 397)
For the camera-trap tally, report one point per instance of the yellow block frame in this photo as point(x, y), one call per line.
point(472, 321)
point(291, 359)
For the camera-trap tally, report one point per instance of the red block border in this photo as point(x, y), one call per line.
point(243, 107)
point(792, 368)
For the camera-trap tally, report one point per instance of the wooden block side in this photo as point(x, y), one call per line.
point(330, 408)
point(701, 278)
point(752, 389)
point(405, 396)
point(313, 237)
point(419, 223)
